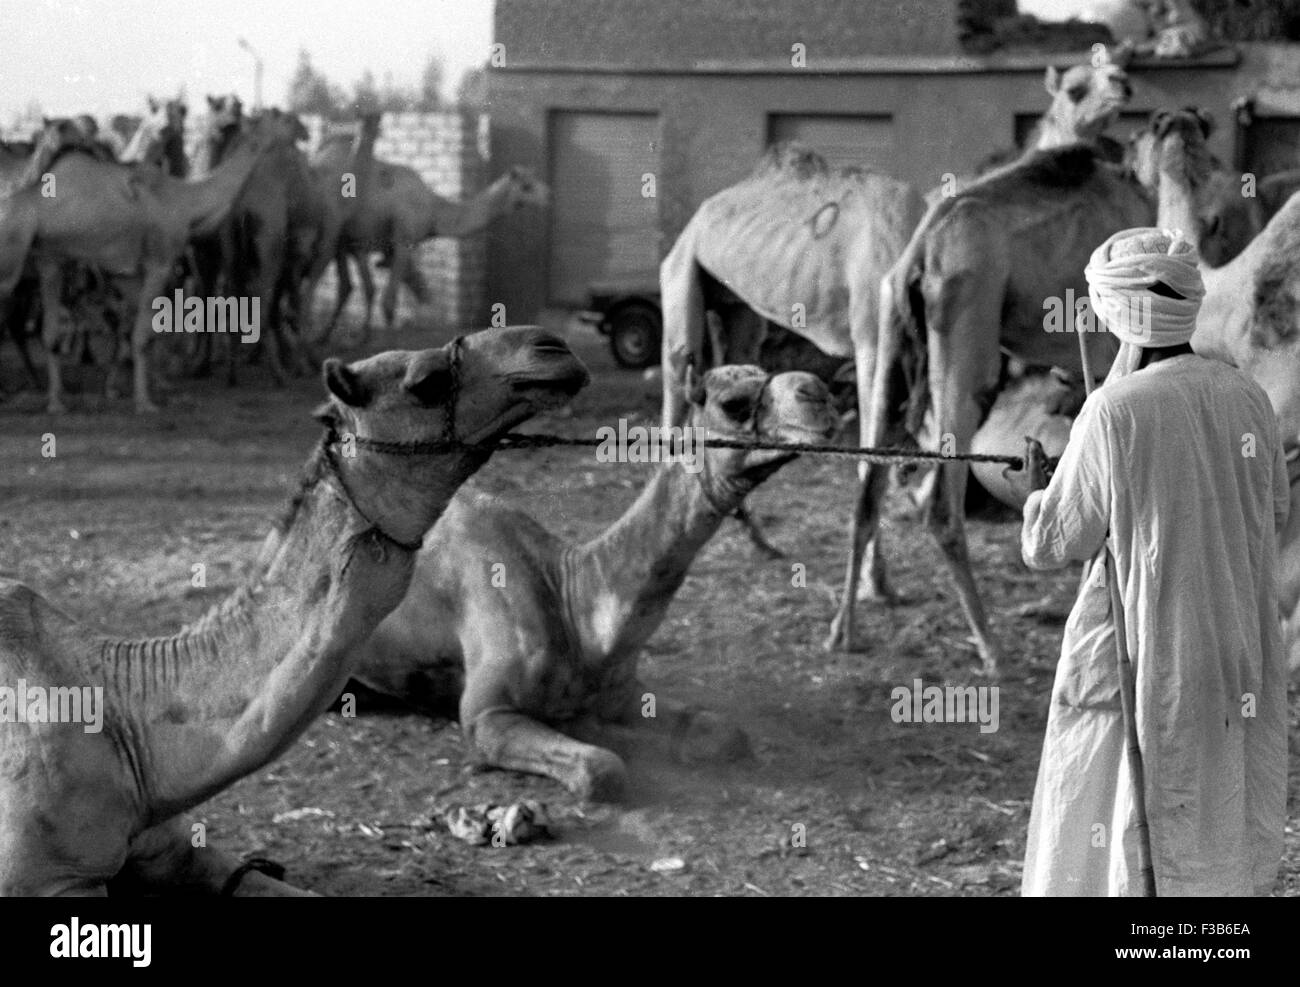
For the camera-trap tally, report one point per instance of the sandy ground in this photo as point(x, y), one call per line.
point(110, 528)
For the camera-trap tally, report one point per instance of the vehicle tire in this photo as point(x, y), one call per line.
point(634, 335)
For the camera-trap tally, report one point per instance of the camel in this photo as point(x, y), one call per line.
point(977, 280)
point(543, 666)
point(795, 243)
point(340, 170)
point(181, 718)
point(397, 212)
point(269, 225)
point(1086, 100)
point(124, 220)
point(1249, 317)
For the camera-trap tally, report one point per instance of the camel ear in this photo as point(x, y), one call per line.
point(429, 376)
point(153, 105)
point(328, 415)
point(345, 383)
point(1052, 80)
point(213, 101)
point(1205, 119)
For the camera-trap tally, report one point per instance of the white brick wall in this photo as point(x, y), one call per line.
point(446, 149)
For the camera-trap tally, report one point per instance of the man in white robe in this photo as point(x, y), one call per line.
point(1176, 463)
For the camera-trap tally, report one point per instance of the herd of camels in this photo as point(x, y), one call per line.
point(253, 216)
point(939, 300)
point(375, 570)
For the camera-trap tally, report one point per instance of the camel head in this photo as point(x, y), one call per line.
point(423, 408)
point(745, 403)
point(224, 112)
point(285, 126)
point(57, 135)
point(524, 188)
point(1171, 159)
point(1086, 99)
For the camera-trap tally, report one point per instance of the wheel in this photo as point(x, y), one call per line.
point(634, 331)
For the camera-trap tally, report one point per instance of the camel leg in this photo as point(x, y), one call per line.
point(269, 263)
point(17, 313)
point(875, 355)
point(954, 382)
point(413, 278)
point(397, 273)
point(51, 278)
point(154, 283)
point(507, 739)
point(163, 859)
point(678, 732)
point(736, 336)
point(343, 275)
point(368, 290)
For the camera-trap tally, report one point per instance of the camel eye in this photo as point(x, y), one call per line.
point(736, 408)
point(1076, 93)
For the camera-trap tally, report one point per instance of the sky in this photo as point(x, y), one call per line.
point(106, 56)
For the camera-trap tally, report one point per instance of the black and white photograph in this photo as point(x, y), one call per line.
point(694, 449)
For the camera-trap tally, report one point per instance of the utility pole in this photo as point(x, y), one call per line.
point(257, 73)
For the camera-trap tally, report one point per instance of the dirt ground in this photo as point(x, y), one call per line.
point(110, 527)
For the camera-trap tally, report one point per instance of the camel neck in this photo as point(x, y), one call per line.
point(620, 584)
point(233, 690)
point(205, 202)
point(461, 219)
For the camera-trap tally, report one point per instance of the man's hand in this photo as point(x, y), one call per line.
point(1032, 475)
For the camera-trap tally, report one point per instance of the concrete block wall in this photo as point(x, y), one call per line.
point(446, 149)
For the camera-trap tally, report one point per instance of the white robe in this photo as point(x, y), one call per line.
point(1162, 459)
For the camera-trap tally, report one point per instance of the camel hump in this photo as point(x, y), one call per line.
point(1069, 166)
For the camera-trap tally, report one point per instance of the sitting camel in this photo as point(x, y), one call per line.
point(185, 716)
point(551, 654)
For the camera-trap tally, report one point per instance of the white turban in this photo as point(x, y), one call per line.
point(1121, 273)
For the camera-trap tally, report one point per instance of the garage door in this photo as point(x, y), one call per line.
point(602, 226)
point(866, 141)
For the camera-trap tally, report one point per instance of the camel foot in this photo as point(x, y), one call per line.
point(843, 637)
point(603, 779)
point(56, 408)
point(880, 594)
point(146, 408)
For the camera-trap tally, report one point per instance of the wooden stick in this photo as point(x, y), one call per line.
point(1127, 691)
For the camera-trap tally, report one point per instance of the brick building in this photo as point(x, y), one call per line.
point(596, 95)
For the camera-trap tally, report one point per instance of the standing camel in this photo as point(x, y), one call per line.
point(255, 251)
point(126, 221)
point(397, 212)
point(1250, 316)
point(978, 279)
point(183, 717)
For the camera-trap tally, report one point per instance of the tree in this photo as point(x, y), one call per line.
point(311, 92)
point(430, 97)
point(472, 93)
